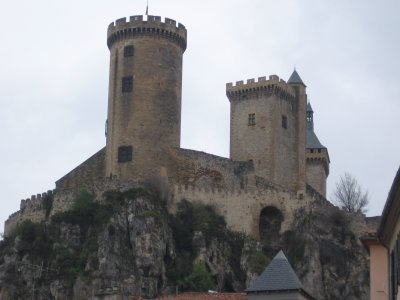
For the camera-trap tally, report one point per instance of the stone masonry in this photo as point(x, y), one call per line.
point(271, 163)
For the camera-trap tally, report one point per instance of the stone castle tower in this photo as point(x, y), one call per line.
point(276, 165)
point(144, 101)
point(268, 128)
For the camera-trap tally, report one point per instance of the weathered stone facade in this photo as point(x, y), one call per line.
point(145, 83)
point(267, 164)
point(266, 128)
point(317, 169)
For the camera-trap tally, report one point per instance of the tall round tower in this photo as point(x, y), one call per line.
point(144, 100)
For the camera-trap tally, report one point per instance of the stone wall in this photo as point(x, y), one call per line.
point(232, 187)
point(86, 174)
point(33, 209)
point(195, 168)
point(30, 209)
point(316, 176)
point(241, 208)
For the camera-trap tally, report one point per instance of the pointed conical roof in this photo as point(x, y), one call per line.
point(312, 141)
point(309, 108)
point(277, 276)
point(295, 78)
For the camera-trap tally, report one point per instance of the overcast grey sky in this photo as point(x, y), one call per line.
point(54, 80)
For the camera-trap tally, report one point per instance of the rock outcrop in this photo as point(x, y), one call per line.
point(116, 245)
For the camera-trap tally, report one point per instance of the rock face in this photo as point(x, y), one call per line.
point(116, 245)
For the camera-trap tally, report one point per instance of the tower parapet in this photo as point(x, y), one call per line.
point(137, 26)
point(261, 88)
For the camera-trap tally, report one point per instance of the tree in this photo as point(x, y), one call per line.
point(349, 195)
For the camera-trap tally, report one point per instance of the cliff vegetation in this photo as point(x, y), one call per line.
point(124, 244)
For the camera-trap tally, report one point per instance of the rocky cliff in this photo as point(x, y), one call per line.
point(116, 245)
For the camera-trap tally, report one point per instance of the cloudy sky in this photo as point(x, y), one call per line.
point(54, 80)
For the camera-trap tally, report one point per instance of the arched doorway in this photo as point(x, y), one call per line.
point(270, 224)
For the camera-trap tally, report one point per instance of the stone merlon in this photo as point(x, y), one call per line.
point(121, 29)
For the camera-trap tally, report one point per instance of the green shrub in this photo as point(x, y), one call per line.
point(294, 245)
point(206, 220)
point(199, 217)
point(257, 261)
point(48, 204)
point(69, 266)
point(200, 280)
point(33, 239)
point(135, 193)
point(235, 241)
point(182, 226)
point(83, 203)
point(85, 212)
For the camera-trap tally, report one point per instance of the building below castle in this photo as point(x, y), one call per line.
point(276, 165)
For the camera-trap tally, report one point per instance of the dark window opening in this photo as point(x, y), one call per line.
point(270, 223)
point(124, 154)
point(128, 51)
point(284, 121)
point(127, 84)
point(252, 120)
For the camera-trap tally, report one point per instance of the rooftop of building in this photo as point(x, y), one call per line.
point(295, 78)
point(277, 276)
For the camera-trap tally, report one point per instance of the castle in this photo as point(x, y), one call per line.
point(276, 166)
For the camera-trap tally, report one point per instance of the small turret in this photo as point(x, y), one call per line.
point(317, 166)
point(300, 107)
point(310, 117)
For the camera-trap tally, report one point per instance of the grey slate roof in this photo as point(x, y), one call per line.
point(277, 276)
point(309, 108)
point(295, 78)
point(312, 140)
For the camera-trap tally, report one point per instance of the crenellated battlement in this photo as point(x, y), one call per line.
point(320, 156)
point(34, 199)
point(317, 154)
point(249, 190)
point(263, 87)
point(153, 26)
point(30, 209)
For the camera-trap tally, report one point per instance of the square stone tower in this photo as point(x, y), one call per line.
point(268, 127)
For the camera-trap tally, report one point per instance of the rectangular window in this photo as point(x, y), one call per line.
point(284, 121)
point(252, 120)
point(127, 84)
point(124, 154)
point(128, 51)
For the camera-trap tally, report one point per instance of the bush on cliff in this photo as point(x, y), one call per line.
point(200, 280)
point(197, 217)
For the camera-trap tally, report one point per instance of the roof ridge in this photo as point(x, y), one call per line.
point(277, 276)
point(295, 78)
